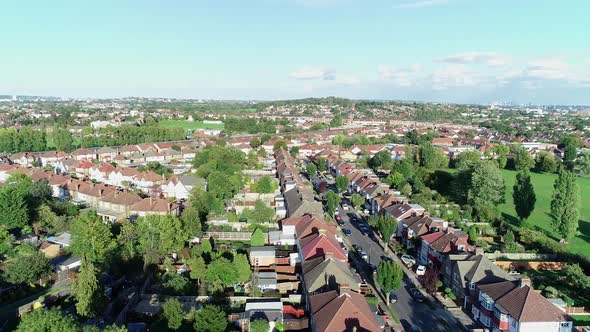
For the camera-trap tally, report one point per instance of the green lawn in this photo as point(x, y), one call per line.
point(190, 125)
point(581, 320)
point(543, 184)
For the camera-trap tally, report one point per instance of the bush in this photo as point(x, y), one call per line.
point(372, 300)
point(449, 293)
point(550, 292)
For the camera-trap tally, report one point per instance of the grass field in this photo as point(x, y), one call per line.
point(190, 125)
point(540, 218)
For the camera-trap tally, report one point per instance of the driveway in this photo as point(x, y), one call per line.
point(427, 317)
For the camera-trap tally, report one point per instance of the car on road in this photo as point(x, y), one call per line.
point(364, 231)
point(408, 260)
point(346, 232)
point(416, 295)
point(345, 206)
point(356, 247)
point(364, 255)
point(392, 298)
point(421, 270)
point(373, 268)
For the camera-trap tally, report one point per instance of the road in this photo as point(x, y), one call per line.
point(426, 317)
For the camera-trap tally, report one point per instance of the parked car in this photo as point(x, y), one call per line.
point(392, 298)
point(356, 247)
point(421, 270)
point(345, 206)
point(416, 295)
point(373, 268)
point(346, 232)
point(337, 217)
point(340, 223)
point(364, 255)
point(408, 260)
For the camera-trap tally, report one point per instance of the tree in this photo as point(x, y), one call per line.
point(260, 214)
point(63, 140)
point(206, 246)
point(86, 290)
point(432, 157)
point(501, 151)
point(332, 201)
point(210, 319)
point(222, 270)
point(575, 276)
point(27, 268)
point(395, 179)
point(523, 160)
point(13, 209)
point(583, 163)
point(381, 159)
point(385, 225)
point(523, 195)
point(389, 276)
point(92, 239)
point(159, 235)
point(341, 183)
point(481, 185)
point(311, 169)
point(280, 145)
point(198, 268)
point(258, 238)
point(242, 266)
point(176, 284)
point(259, 325)
point(321, 163)
point(265, 185)
point(6, 242)
point(173, 312)
point(50, 320)
point(406, 189)
point(564, 205)
point(467, 156)
point(546, 162)
point(294, 151)
point(336, 121)
point(357, 200)
point(430, 280)
point(127, 240)
point(570, 144)
point(255, 142)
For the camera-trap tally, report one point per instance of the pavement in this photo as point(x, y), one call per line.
point(413, 316)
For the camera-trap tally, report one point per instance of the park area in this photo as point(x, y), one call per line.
point(540, 218)
point(190, 125)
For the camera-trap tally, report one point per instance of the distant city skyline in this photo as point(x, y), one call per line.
point(462, 51)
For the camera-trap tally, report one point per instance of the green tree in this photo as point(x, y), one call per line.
point(395, 179)
point(564, 205)
point(294, 151)
point(466, 157)
point(63, 140)
point(336, 121)
point(210, 319)
point(341, 183)
point(575, 277)
point(389, 276)
point(27, 268)
point(242, 266)
point(432, 157)
point(206, 246)
point(13, 209)
point(406, 189)
point(6, 242)
point(523, 160)
point(385, 225)
point(280, 145)
point(48, 320)
point(311, 169)
point(321, 163)
point(502, 152)
point(222, 270)
point(258, 238)
point(159, 235)
point(259, 325)
point(570, 145)
point(523, 195)
point(481, 185)
point(198, 268)
point(546, 162)
point(86, 290)
point(173, 312)
point(332, 201)
point(265, 185)
point(381, 160)
point(357, 200)
point(92, 239)
point(175, 284)
point(583, 163)
point(260, 213)
point(127, 240)
point(255, 143)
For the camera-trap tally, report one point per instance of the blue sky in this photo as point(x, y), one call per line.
point(430, 50)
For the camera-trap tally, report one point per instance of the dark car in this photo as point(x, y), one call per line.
point(346, 232)
point(340, 222)
point(373, 268)
point(416, 295)
point(356, 247)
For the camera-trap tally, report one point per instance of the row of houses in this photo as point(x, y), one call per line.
point(497, 299)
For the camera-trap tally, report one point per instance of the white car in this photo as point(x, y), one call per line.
point(421, 270)
point(345, 207)
point(408, 260)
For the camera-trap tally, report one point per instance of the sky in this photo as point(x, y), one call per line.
point(464, 51)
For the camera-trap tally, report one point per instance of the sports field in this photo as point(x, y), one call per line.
point(190, 125)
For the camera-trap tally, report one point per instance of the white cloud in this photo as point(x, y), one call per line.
point(548, 69)
point(488, 58)
point(313, 73)
point(346, 79)
point(455, 75)
point(420, 4)
point(409, 76)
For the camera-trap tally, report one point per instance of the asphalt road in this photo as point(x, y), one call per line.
point(426, 317)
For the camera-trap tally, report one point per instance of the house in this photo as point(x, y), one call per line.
point(65, 263)
point(266, 281)
point(82, 168)
point(301, 201)
point(342, 310)
point(262, 256)
point(436, 245)
point(320, 244)
point(63, 239)
point(116, 205)
point(512, 306)
point(180, 187)
point(418, 225)
point(442, 141)
point(50, 250)
point(154, 206)
point(84, 154)
point(326, 273)
point(106, 154)
point(270, 310)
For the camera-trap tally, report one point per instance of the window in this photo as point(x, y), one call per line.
point(471, 286)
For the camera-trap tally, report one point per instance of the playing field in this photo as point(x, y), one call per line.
point(543, 184)
point(190, 125)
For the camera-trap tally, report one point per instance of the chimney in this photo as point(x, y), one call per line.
point(524, 281)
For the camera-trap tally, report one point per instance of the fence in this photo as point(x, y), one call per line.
point(520, 256)
point(229, 236)
point(577, 311)
point(522, 265)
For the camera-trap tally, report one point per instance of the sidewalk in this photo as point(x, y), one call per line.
point(455, 310)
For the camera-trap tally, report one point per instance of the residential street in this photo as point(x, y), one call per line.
point(410, 313)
